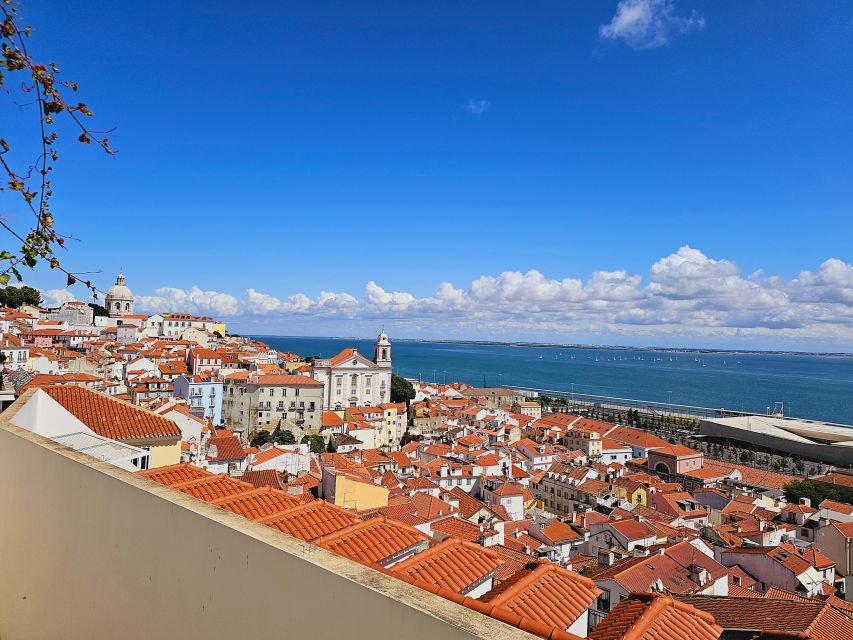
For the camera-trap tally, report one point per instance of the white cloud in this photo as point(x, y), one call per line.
point(171, 299)
point(55, 297)
point(477, 107)
point(646, 24)
point(685, 295)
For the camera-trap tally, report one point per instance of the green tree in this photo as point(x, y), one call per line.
point(282, 436)
point(406, 439)
point(817, 492)
point(261, 438)
point(318, 445)
point(401, 389)
point(98, 310)
point(14, 297)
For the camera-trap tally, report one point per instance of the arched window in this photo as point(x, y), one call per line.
point(384, 354)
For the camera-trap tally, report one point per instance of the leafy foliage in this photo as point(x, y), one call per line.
point(282, 436)
point(261, 438)
point(318, 445)
point(99, 310)
point(817, 492)
point(49, 97)
point(401, 389)
point(14, 297)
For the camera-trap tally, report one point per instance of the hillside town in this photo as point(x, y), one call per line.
point(550, 521)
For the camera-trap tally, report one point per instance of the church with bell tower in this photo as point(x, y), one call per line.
point(351, 379)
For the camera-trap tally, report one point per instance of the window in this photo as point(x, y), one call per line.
point(272, 391)
point(603, 603)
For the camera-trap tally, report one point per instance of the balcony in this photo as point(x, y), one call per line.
point(151, 578)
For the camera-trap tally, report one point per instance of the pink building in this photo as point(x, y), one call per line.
point(675, 459)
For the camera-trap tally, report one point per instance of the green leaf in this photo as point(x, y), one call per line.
point(4, 279)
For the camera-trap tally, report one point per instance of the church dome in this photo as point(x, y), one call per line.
point(119, 290)
point(383, 337)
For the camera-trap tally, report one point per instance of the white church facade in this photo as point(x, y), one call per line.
point(350, 379)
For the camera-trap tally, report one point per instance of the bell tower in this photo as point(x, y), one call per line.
point(382, 350)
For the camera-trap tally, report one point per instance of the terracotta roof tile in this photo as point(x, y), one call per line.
point(468, 504)
point(228, 447)
point(456, 565)
point(264, 478)
point(111, 418)
point(312, 520)
point(655, 617)
point(258, 503)
point(548, 594)
point(175, 473)
point(814, 620)
point(377, 540)
point(462, 529)
point(213, 487)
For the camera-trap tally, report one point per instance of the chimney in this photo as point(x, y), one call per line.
point(699, 575)
point(605, 557)
point(805, 502)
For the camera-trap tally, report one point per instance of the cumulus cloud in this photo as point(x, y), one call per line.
point(477, 107)
point(646, 24)
point(686, 293)
point(56, 297)
point(196, 301)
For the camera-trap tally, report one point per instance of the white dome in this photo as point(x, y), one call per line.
point(119, 290)
point(383, 337)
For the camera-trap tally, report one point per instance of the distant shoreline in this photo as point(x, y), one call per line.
point(557, 345)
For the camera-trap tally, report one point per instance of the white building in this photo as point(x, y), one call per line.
point(351, 380)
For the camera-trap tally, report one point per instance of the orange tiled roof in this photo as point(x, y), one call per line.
point(174, 474)
point(112, 418)
point(372, 541)
point(213, 487)
point(814, 620)
point(648, 616)
point(263, 478)
point(548, 594)
point(312, 520)
point(228, 447)
point(462, 529)
point(258, 503)
point(454, 564)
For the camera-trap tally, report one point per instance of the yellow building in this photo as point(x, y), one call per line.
point(350, 491)
point(218, 327)
point(631, 490)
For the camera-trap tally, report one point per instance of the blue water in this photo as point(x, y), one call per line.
point(811, 386)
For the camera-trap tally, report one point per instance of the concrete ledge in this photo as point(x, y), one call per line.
point(90, 551)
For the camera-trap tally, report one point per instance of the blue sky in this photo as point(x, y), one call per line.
point(299, 148)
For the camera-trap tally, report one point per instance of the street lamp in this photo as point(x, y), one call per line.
point(445, 376)
point(433, 376)
point(500, 379)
